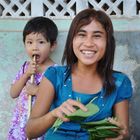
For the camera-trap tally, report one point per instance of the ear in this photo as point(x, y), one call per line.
point(53, 46)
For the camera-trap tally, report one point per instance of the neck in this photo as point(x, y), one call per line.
point(85, 70)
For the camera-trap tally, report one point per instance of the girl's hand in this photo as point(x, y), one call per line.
point(32, 68)
point(31, 89)
point(123, 130)
point(67, 108)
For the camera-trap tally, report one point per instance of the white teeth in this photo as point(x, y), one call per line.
point(88, 53)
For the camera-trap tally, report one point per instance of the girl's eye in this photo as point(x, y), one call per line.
point(80, 34)
point(97, 35)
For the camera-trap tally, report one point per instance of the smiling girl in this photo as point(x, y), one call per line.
point(89, 55)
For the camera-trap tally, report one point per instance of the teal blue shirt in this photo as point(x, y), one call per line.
point(63, 90)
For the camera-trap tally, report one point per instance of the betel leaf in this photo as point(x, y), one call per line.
point(101, 129)
point(102, 134)
point(56, 124)
point(79, 115)
point(103, 122)
point(107, 127)
point(106, 133)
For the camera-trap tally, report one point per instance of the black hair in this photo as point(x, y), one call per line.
point(42, 25)
point(105, 65)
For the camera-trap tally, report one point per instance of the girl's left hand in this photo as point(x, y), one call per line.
point(31, 89)
point(123, 130)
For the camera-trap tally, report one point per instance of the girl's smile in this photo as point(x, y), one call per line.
point(88, 53)
point(89, 43)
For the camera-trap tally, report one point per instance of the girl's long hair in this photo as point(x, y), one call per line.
point(105, 65)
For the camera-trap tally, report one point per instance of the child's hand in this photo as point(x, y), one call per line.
point(32, 68)
point(123, 130)
point(67, 108)
point(31, 89)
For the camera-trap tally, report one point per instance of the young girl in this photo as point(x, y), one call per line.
point(89, 54)
point(39, 37)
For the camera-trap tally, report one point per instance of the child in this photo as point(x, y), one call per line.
point(39, 37)
point(89, 55)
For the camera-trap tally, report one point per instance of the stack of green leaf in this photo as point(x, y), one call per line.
point(100, 130)
point(97, 130)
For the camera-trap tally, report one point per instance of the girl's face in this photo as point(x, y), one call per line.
point(36, 44)
point(89, 44)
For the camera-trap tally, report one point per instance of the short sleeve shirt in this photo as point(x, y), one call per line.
point(63, 91)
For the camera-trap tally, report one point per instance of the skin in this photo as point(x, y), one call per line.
point(89, 45)
point(35, 44)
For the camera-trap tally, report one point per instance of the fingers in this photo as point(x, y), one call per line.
point(120, 137)
point(67, 108)
point(57, 113)
point(31, 89)
point(77, 104)
point(116, 122)
point(61, 115)
point(123, 129)
point(70, 106)
point(33, 67)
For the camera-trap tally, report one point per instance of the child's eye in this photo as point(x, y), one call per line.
point(41, 42)
point(29, 42)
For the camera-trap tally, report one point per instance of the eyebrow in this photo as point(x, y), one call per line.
point(81, 30)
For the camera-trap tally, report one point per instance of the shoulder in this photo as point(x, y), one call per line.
point(57, 68)
point(119, 75)
point(24, 66)
point(56, 74)
point(124, 88)
point(120, 78)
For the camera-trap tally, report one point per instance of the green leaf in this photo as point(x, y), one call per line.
point(103, 122)
point(106, 133)
point(80, 115)
point(57, 124)
point(107, 127)
point(101, 129)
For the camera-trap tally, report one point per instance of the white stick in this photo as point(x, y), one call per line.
point(30, 96)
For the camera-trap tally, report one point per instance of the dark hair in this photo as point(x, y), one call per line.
point(105, 65)
point(42, 25)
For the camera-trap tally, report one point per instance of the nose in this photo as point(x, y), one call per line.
point(35, 47)
point(89, 41)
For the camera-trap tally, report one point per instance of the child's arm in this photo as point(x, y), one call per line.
point(17, 87)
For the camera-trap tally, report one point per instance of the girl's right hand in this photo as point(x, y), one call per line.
point(32, 68)
point(67, 108)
